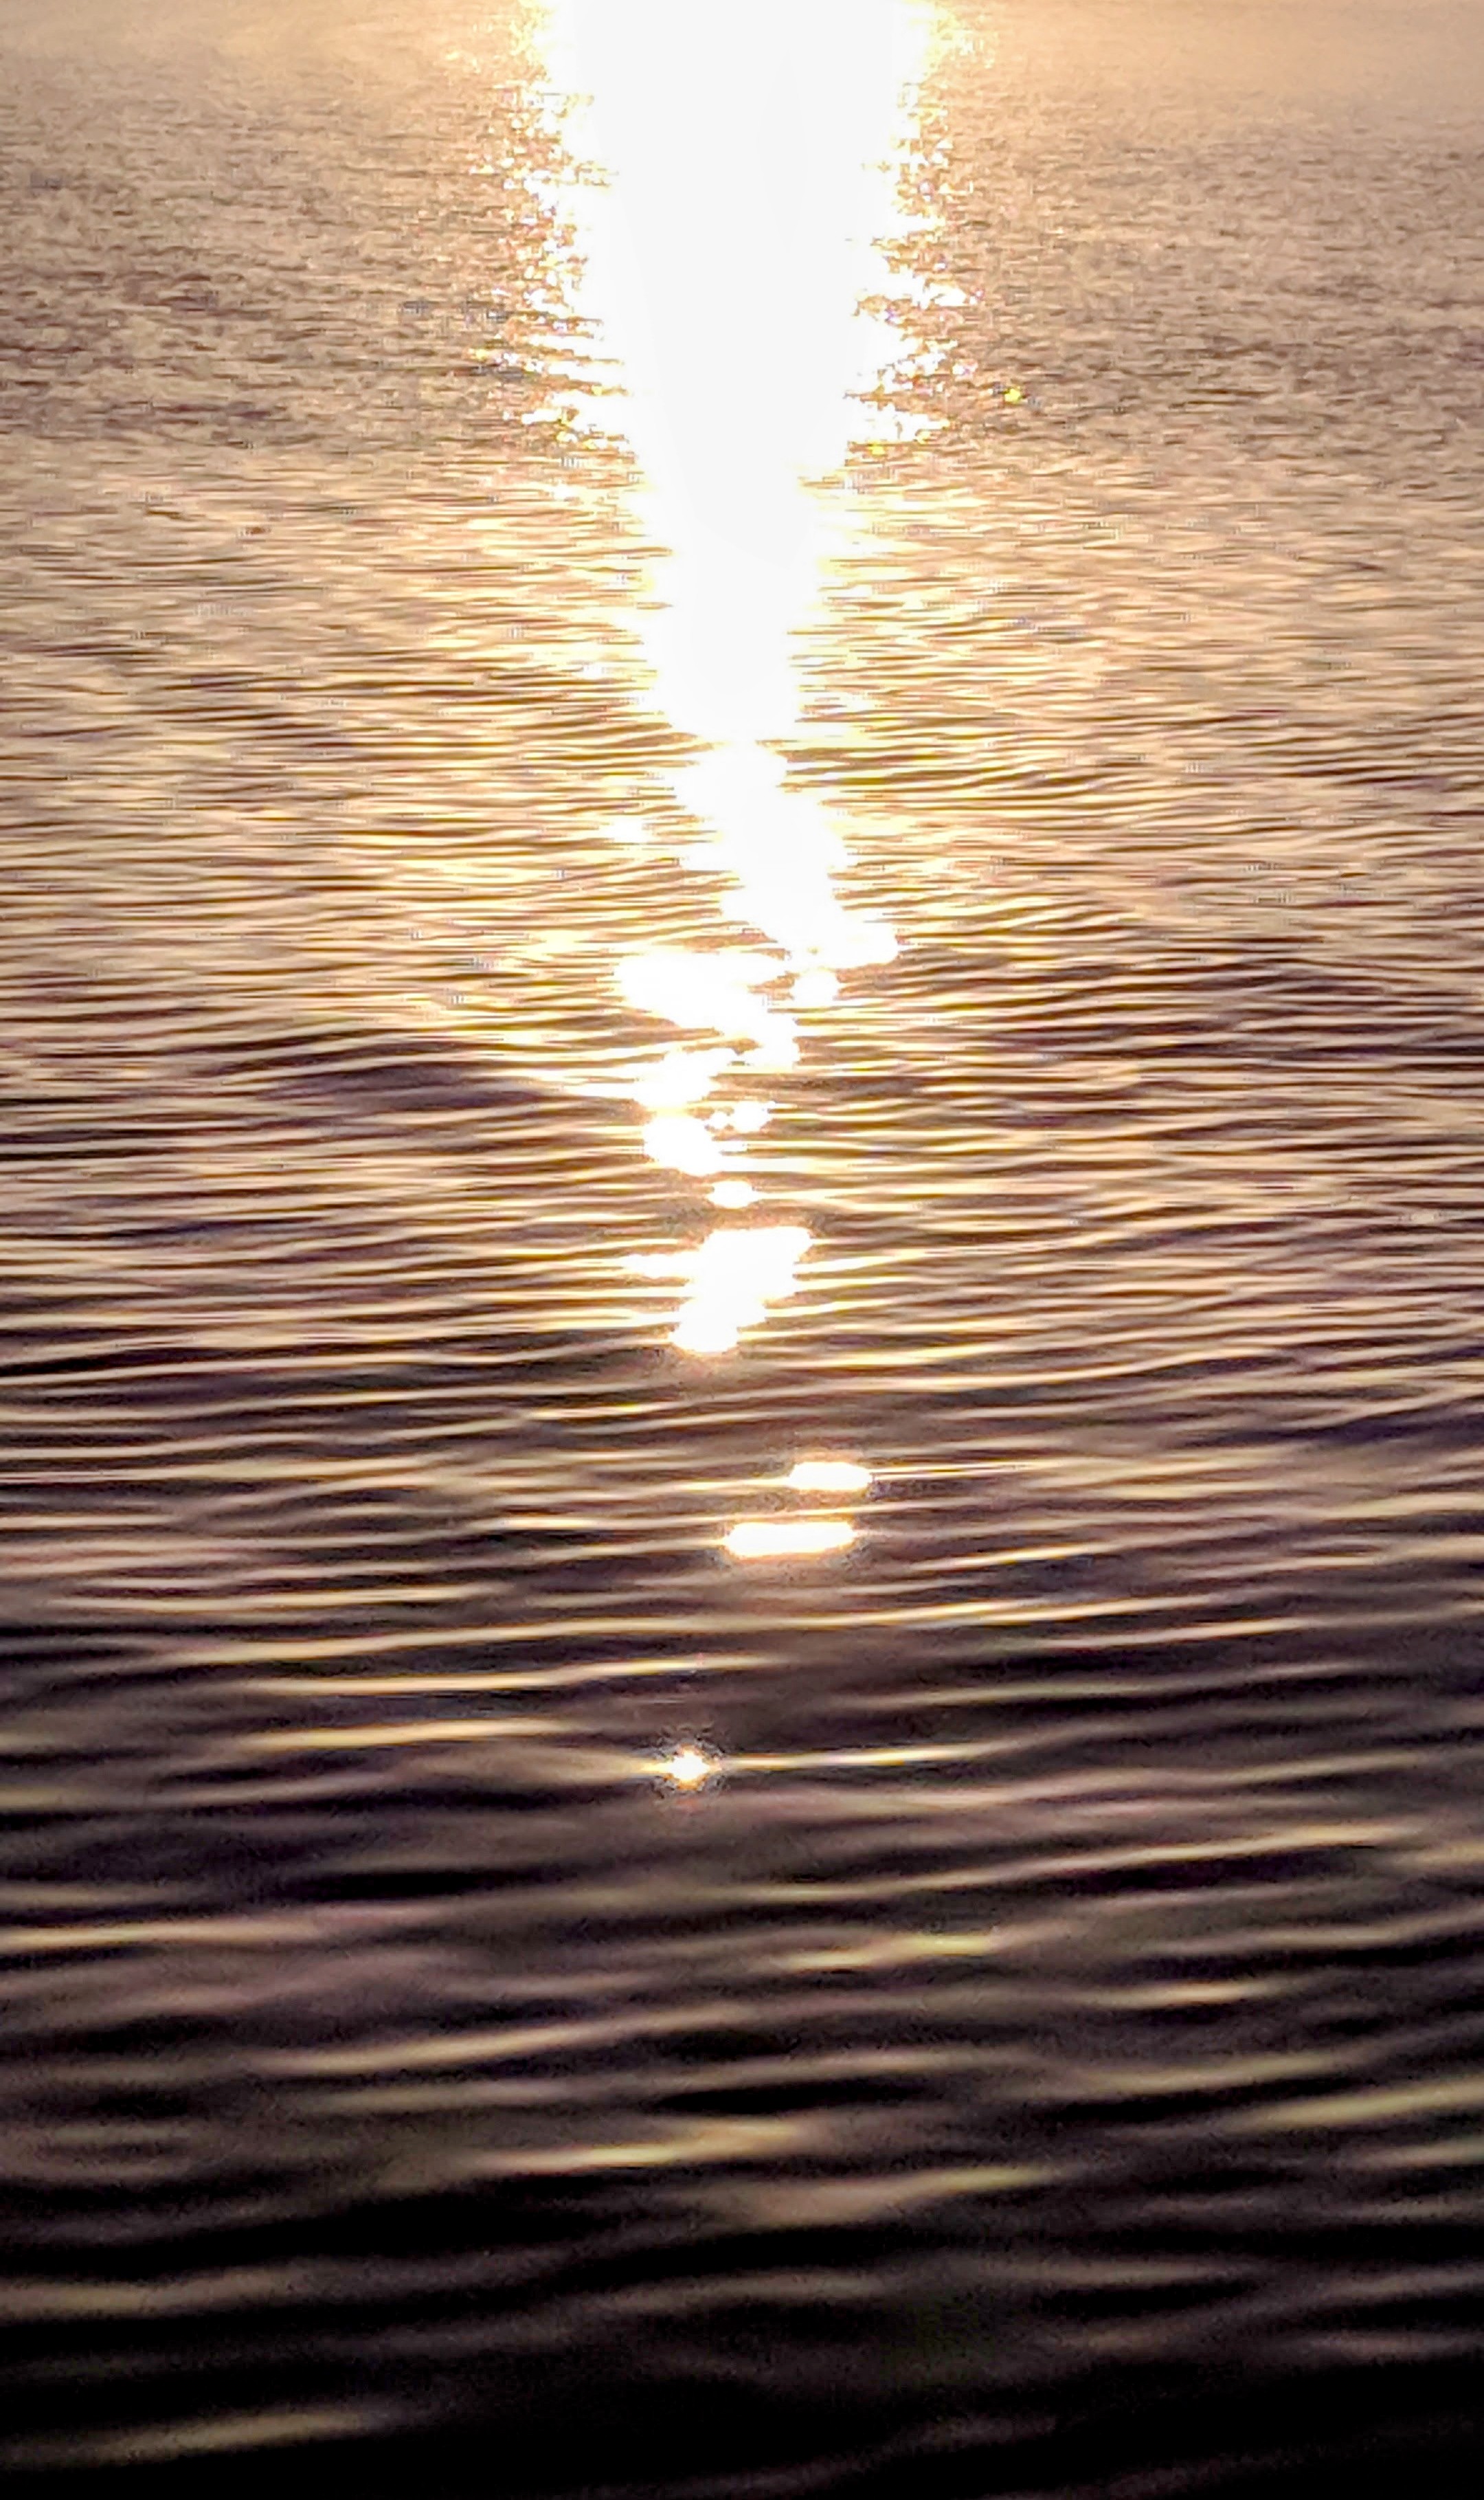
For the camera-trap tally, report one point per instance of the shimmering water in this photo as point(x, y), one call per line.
point(512, 1979)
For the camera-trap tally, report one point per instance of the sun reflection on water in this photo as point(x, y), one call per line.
point(741, 184)
point(742, 192)
point(828, 1475)
point(730, 1280)
point(727, 255)
point(689, 1767)
point(758, 1537)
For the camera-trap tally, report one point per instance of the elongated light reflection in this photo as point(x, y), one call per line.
point(758, 1539)
point(747, 182)
point(828, 1475)
point(730, 1280)
point(748, 163)
point(689, 1767)
point(746, 150)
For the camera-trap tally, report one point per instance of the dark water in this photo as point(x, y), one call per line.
point(1049, 2056)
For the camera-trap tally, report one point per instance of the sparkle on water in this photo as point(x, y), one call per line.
point(690, 1766)
point(756, 1539)
point(679, 1142)
point(828, 1475)
point(681, 1077)
point(1060, 2049)
point(730, 1279)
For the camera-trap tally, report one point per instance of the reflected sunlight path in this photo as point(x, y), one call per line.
point(746, 179)
point(743, 183)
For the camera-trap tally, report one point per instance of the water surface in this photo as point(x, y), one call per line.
point(1042, 2053)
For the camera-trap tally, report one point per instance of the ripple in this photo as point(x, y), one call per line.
point(798, 1813)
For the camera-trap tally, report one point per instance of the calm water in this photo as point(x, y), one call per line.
point(1045, 2053)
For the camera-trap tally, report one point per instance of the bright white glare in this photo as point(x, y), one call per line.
point(747, 155)
point(779, 847)
point(749, 1117)
point(681, 1077)
point(708, 1328)
point(828, 1475)
point(777, 1051)
point(732, 1279)
point(748, 177)
point(689, 1767)
point(754, 1538)
point(703, 992)
point(815, 989)
point(678, 1142)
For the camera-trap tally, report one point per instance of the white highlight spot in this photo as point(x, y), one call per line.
point(705, 1327)
point(678, 1142)
point(752, 1539)
point(828, 1475)
point(733, 1277)
point(816, 988)
point(703, 992)
point(681, 1077)
point(689, 1767)
point(779, 1049)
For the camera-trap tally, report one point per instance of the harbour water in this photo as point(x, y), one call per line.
point(741, 1501)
